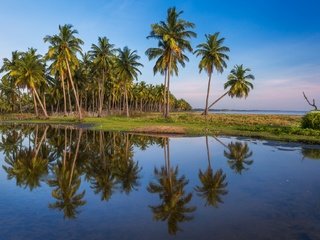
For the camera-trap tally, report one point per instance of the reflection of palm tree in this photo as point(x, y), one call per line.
point(66, 194)
point(127, 171)
point(311, 153)
point(27, 166)
point(67, 182)
point(238, 154)
point(213, 184)
point(172, 194)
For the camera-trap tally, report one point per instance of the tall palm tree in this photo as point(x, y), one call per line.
point(63, 49)
point(29, 73)
point(172, 36)
point(102, 55)
point(127, 69)
point(213, 57)
point(238, 83)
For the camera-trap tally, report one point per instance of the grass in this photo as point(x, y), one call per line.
point(273, 127)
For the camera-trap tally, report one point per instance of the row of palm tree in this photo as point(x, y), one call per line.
point(104, 76)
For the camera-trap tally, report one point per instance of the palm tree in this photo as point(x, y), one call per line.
point(102, 55)
point(63, 50)
point(213, 184)
point(172, 36)
point(238, 155)
point(127, 69)
point(238, 82)
point(29, 72)
point(8, 86)
point(213, 54)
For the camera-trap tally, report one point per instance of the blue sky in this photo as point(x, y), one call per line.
point(278, 40)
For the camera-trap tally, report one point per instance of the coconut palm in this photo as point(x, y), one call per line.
point(127, 69)
point(213, 184)
point(238, 155)
point(213, 57)
point(103, 55)
point(238, 83)
point(62, 50)
point(29, 72)
point(172, 36)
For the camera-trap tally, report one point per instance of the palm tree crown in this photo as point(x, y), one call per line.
point(239, 82)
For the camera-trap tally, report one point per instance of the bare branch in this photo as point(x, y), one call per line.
point(313, 104)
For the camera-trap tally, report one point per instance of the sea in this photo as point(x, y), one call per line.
point(265, 112)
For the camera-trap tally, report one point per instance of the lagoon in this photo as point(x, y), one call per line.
point(63, 182)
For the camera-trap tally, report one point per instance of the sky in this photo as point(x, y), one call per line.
point(278, 40)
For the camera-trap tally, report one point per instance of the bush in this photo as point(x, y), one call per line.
point(311, 120)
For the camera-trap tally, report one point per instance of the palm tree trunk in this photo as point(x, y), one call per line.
point(168, 89)
point(74, 90)
point(126, 100)
point(216, 101)
point(208, 92)
point(39, 100)
point(35, 104)
point(164, 94)
point(64, 95)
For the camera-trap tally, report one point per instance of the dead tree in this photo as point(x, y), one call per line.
point(313, 104)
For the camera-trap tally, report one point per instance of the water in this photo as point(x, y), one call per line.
point(64, 183)
point(263, 112)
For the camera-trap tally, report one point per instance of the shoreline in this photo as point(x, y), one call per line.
point(269, 127)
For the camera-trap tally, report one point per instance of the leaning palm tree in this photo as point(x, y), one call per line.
point(214, 57)
point(127, 69)
point(173, 35)
point(238, 83)
point(29, 73)
point(102, 55)
point(62, 50)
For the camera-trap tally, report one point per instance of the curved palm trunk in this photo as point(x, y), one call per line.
point(216, 101)
point(74, 91)
point(208, 92)
point(40, 102)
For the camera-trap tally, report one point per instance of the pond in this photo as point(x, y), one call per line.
point(67, 183)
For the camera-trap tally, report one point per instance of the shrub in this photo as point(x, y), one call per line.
point(311, 120)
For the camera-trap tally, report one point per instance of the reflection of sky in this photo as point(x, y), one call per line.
point(277, 192)
point(279, 40)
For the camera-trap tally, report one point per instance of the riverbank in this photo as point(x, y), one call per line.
point(269, 127)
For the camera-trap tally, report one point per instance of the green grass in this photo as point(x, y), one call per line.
point(273, 127)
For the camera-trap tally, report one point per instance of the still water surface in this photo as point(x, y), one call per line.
point(64, 183)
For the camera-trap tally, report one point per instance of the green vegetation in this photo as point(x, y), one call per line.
point(311, 120)
point(273, 127)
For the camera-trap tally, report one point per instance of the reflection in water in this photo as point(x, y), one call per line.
point(213, 183)
point(238, 154)
point(170, 187)
point(310, 153)
point(71, 163)
point(67, 181)
point(25, 164)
